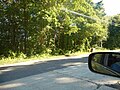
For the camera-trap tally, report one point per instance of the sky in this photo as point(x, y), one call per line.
point(112, 7)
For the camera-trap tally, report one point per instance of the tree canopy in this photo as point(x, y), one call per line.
point(114, 33)
point(41, 26)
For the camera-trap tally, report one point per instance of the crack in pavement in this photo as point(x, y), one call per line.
point(115, 86)
point(98, 85)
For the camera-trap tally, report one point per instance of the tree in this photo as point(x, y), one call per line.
point(41, 26)
point(25, 25)
point(100, 10)
point(114, 33)
point(89, 32)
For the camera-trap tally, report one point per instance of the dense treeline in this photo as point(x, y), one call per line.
point(42, 26)
point(113, 41)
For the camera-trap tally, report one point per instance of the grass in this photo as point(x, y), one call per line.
point(11, 60)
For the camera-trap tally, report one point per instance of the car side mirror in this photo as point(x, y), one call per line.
point(105, 63)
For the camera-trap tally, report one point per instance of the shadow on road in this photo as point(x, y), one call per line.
point(17, 72)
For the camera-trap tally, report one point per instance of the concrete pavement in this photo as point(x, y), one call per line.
point(71, 78)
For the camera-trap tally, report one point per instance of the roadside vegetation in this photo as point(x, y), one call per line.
point(42, 28)
point(12, 59)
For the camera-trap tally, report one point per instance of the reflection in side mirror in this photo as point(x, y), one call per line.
point(105, 63)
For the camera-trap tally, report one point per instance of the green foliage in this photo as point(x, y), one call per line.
point(33, 27)
point(99, 9)
point(114, 33)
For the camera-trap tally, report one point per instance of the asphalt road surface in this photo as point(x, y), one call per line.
point(70, 73)
point(16, 72)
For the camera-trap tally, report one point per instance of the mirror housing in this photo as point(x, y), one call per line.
point(107, 63)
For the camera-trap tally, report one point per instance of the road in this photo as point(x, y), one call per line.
point(72, 70)
point(16, 72)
